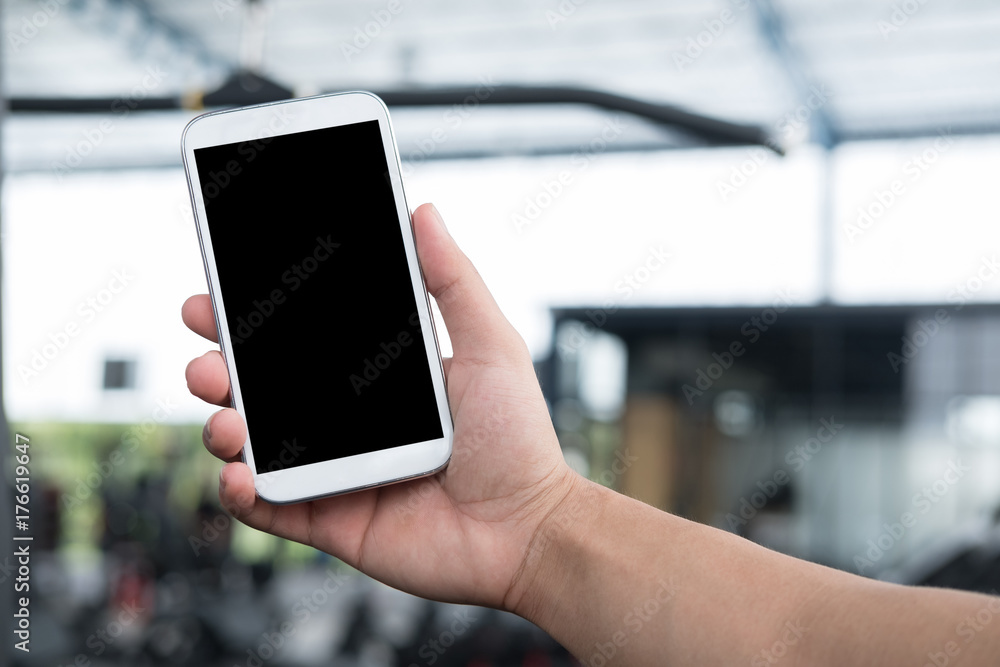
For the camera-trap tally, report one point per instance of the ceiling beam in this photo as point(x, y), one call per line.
point(771, 26)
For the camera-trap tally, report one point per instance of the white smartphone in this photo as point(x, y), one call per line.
point(323, 317)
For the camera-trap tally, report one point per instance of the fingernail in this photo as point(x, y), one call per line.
point(440, 220)
point(222, 479)
point(206, 433)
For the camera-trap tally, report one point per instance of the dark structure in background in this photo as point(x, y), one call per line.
point(709, 388)
point(818, 361)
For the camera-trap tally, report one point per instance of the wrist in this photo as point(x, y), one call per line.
point(539, 576)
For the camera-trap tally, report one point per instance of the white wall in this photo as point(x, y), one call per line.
point(63, 242)
point(63, 239)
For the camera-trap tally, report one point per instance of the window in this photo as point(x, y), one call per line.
point(119, 374)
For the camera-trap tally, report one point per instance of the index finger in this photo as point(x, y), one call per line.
point(198, 316)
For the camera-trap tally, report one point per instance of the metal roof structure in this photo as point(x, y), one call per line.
point(829, 71)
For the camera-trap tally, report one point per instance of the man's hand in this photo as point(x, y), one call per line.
point(463, 534)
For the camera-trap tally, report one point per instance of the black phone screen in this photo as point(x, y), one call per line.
point(315, 284)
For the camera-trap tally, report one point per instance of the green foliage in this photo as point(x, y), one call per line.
point(83, 462)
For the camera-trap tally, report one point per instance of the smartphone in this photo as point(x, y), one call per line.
point(323, 317)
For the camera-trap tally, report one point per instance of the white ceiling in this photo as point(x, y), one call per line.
point(885, 73)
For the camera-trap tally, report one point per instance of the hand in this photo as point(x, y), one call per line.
point(461, 535)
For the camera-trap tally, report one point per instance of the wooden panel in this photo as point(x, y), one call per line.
point(648, 450)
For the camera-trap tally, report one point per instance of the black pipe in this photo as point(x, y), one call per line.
point(714, 131)
point(247, 88)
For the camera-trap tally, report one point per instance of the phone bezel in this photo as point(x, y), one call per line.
point(361, 471)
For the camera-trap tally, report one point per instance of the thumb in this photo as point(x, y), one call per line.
point(477, 327)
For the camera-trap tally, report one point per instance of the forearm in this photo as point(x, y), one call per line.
point(619, 582)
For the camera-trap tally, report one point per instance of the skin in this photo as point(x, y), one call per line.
point(508, 525)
